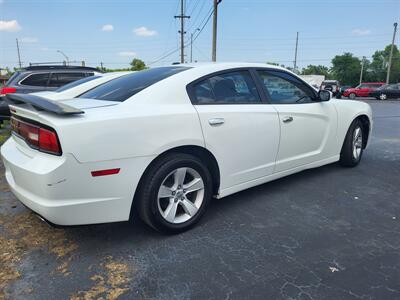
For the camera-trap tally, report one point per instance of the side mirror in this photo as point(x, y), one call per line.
point(324, 95)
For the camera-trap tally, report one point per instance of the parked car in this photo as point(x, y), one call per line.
point(341, 91)
point(164, 141)
point(387, 91)
point(362, 90)
point(331, 85)
point(45, 78)
point(76, 88)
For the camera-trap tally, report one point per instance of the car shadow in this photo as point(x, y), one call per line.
point(137, 231)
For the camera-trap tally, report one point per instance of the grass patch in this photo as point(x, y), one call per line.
point(5, 131)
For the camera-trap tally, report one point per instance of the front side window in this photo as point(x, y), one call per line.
point(284, 88)
point(36, 79)
point(392, 87)
point(60, 79)
point(228, 88)
point(124, 87)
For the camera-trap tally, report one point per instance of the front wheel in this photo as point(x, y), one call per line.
point(174, 193)
point(352, 96)
point(352, 148)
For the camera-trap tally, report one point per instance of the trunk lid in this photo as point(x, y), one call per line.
point(54, 115)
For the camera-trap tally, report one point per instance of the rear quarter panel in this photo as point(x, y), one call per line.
point(121, 132)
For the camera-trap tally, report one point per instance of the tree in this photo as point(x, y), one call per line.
point(316, 70)
point(380, 61)
point(346, 68)
point(138, 65)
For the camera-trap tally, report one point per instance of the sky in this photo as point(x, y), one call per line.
point(116, 31)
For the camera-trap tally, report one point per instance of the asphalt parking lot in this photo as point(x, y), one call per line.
point(327, 233)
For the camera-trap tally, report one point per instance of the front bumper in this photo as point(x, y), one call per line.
point(63, 191)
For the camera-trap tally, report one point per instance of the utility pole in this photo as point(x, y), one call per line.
point(295, 52)
point(362, 68)
point(101, 64)
point(182, 31)
point(391, 54)
point(214, 37)
point(191, 44)
point(19, 55)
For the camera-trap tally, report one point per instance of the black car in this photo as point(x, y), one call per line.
point(41, 78)
point(387, 91)
point(341, 90)
point(331, 85)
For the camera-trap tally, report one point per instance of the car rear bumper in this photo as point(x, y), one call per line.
point(63, 191)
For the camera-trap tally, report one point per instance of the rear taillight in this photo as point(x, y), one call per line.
point(7, 90)
point(37, 137)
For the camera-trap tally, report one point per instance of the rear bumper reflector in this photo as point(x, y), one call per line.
point(105, 172)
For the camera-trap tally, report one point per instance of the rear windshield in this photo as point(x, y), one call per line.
point(126, 86)
point(76, 83)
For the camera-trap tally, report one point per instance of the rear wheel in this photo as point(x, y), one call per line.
point(352, 148)
point(352, 96)
point(175, 193)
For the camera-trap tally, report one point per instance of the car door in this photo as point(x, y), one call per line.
point(308, 127)
point(239, 128)
point(363, 90)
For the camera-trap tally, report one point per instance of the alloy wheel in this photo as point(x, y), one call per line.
point(357, 143)
point(180, 195)
point(383, 97)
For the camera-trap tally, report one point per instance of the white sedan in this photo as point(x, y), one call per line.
point(78, 87)
point(164, 141)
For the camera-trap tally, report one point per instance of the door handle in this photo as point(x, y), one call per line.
point(287, 119)
point(216, 121)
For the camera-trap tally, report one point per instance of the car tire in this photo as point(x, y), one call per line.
point(162, 200)
point(352, 96)
point(382, 97)
point(352, 149)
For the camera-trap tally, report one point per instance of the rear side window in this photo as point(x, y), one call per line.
point(126, 86)
point(36, 80)
point(228, 88)
point(76, 83)
point(60, 79)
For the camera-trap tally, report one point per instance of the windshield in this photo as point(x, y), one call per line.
point(76, 83)
point(126, 86)
point(385, 86)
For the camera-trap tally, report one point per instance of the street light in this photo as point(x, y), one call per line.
point(191, 44)
point(63, 54)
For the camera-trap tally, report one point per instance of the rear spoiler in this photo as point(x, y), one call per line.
point(40, 103)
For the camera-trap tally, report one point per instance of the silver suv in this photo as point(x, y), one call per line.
point(45, 78)
point(41, 78)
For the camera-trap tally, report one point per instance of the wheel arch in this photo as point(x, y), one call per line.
point(366, 123)
point(202, 153)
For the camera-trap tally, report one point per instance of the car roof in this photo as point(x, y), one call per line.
point(229, 65)
point(372, 83)
point(58, 67)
